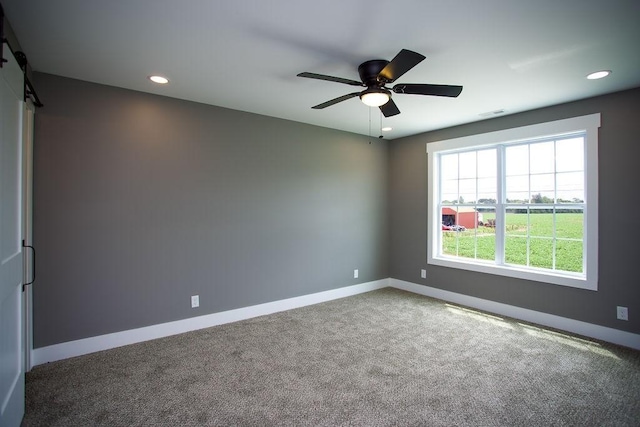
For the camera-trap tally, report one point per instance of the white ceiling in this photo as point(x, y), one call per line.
point(511, 55)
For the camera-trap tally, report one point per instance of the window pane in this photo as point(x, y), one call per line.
point(542, 157)
point(450, 186)
point(541, 252)
point(570, 187)
point(517, 197)
point(517, 188)
point(517, 222)
point(515, 250)
point(449, 214)
point(486, 199)
point(541, 223)
point(449, 243)
point(468, 165)
point(466, 244)
point(449, 166)
point(543, 184)
point(568, 181)
point(569, 256)
point(468, 190)
point(517, 160)
point(538, 227)
point(487, 163)
point(450, 198)
point(488, 218)
point(467, 198)
point(570, 155)
point(570, 224)
point(464, 233)
point(487, 188)
point(449, 239)
point(485, 234)
point(542, 197)
point(570, 196)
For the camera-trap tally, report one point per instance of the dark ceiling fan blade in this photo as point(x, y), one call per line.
point(390, 108)
point(403, 62)
point(335, 101)
point(425, 89)
point(330, 79)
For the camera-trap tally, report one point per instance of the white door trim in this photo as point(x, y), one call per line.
point(28, 117)
point(12, 349)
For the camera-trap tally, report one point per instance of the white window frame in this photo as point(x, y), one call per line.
point(588, 124)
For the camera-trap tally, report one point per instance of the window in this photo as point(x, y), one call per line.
point(520, 202)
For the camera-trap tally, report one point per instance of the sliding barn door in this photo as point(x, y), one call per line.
point(11, 267)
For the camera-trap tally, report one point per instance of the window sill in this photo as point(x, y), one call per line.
point(568, 279)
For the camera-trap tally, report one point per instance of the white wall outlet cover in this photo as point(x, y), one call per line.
point(622, 313)
point(195, 301)
point(423, 274)
point(355, 274)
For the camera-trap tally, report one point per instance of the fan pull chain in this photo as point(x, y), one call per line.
point(369, 125)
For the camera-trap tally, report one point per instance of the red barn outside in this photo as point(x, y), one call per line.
point(465, 216)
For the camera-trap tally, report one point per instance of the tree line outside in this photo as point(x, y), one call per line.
point(535, 199)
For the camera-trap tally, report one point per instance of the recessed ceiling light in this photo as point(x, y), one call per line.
point(386, 129)
point(159, 79)
point(598, 74)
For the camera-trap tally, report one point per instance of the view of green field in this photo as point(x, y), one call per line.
point(539, 252)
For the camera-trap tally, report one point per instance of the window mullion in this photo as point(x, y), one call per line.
point(438, 194)
point(554, 235)
point(500, 205)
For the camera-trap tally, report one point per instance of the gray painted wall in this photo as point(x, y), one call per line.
point(141, 201)
point(619, 224)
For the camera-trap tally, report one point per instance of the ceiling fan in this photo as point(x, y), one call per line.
point(375, 75)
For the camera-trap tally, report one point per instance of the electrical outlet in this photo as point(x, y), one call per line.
point(195, 301)
point(355, 274)
point(423, 273)
point(623, 313)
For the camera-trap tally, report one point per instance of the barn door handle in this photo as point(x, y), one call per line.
point(33, 275)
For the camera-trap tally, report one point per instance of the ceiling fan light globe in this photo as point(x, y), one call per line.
point(375, 98)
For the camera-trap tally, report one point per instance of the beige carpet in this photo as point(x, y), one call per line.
point(386, 357)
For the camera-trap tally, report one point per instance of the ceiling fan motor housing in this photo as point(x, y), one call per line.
point(370, 70)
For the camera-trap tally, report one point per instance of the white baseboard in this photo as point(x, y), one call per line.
point(118, 339)
point(603, 333)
